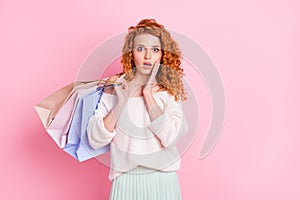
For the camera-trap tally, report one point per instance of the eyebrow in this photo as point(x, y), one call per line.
point(144, 45)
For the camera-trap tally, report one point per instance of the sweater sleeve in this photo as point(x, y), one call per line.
point(98, 135)
point(170, 125)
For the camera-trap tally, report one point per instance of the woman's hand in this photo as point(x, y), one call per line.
point(111, 80)
point(122, 91)
point(152, 107)
point(147, 89)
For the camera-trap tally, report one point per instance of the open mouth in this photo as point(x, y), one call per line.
point(147, 64)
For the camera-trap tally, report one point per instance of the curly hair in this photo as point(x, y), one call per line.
point(170, 73)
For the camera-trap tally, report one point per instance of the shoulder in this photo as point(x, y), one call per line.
point(110, 80)
point(108, 99)
point(108, 95)
point(108, 90)
point(164, 96)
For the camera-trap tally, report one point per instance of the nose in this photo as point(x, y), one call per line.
point(147, 54)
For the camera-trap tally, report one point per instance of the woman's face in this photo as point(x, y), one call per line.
point(146, 51)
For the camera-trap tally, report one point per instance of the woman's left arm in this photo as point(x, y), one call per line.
point(151, 105)
point(168, 125)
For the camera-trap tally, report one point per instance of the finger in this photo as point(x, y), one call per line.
point(120, 86)
point(123, 86)
point(124, 83)
point(153, 73)
point(117, 89)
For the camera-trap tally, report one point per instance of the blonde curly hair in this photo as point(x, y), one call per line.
point(170, 73)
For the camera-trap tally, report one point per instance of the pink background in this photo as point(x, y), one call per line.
point(253, 45)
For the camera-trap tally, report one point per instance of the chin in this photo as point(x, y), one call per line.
point(145, 71)
point(148, 72)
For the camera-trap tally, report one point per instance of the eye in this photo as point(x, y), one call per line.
point(155, 49)
point(140, 48)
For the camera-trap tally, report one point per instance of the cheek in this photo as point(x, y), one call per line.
point(158, 56)
point(137, 57)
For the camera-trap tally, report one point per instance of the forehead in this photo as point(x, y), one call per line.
point(146, 40)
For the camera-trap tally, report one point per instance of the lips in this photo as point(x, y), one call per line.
point(147, 65)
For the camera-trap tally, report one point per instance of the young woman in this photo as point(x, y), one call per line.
point(142, 119)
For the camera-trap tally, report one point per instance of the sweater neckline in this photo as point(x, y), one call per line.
point(137, 97)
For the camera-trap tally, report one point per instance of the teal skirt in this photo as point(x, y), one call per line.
point(144, 184)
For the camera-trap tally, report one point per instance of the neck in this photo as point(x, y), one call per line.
point(140, 79)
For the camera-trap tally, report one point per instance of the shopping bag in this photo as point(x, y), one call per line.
point(55, 111)
point(77, 142)
point(48, 107)
point(59, 127)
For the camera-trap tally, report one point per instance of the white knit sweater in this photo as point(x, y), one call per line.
point(137, 141)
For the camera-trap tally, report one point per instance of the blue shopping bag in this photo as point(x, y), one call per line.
point(77, 141)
